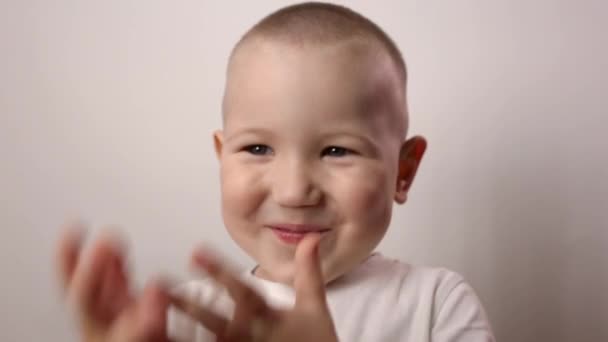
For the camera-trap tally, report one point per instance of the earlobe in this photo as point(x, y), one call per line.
point(409, 159)
point(218, 142)
point(401, 195)
point(404, 181)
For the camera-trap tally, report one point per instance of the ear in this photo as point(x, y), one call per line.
point(410, 156)
point(218, 142)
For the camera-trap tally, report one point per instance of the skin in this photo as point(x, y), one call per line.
point(313, 135)
point(98, 289)
point(333, 155)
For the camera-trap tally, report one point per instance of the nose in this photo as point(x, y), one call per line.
point(294, 185)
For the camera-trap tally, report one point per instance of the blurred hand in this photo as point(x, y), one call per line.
point(97, 286)
point(254, 320)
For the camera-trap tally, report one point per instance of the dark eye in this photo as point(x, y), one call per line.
point(257, 149)
point(336, 151)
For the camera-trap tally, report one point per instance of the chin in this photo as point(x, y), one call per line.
point(330, 273)
point(278, 272)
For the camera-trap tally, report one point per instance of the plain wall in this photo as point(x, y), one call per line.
point(107, 110)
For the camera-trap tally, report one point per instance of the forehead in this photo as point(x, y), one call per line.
point(348, 81)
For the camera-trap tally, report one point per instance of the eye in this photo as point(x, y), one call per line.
point(257, 149)
point(336, 151)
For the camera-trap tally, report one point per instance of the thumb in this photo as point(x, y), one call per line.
point(308, 283)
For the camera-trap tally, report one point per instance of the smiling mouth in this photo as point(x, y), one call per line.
point(293, 234)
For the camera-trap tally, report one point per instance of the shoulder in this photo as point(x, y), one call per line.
point(440, 284)
point(396, 275)
point(456, 312)
point(395, 286)
point(438, 300)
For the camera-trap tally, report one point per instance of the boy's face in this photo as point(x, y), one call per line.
point(311, 142)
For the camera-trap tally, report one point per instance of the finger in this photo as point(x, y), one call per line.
point(89, 272)
point(212, 321)
point(244, 297)
point(145, 317)
point(114, 294)
point(309, 283)
point(246, 324)
point(68, 251)
point(152, 311)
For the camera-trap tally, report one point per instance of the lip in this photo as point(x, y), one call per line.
point(294, 233)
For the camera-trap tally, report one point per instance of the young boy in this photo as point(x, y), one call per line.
point(313, 154)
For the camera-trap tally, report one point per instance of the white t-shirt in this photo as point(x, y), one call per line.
point(380, 300)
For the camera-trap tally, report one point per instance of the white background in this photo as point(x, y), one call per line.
point(107, 109)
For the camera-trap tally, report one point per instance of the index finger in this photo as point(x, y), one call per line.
point(309, 282)
point(244, 297)
point(212, 321)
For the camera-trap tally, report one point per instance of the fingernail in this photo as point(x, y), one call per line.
point(205, 260)
point(201, 257)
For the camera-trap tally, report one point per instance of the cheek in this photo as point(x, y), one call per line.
point(241, 190)
point(366, 198)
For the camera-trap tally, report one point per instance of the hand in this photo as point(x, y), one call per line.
point(254, 320)
point(98, 287)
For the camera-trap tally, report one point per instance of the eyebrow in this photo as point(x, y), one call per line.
point(253, 130)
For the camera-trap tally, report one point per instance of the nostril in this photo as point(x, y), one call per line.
point(297, 196)
point(294, 185)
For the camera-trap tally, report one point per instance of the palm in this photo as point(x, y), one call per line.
point(99, 289)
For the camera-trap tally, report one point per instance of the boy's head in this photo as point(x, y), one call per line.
point(314, 118)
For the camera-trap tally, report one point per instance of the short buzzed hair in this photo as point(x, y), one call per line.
point(318, 23)
point(323, 23)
